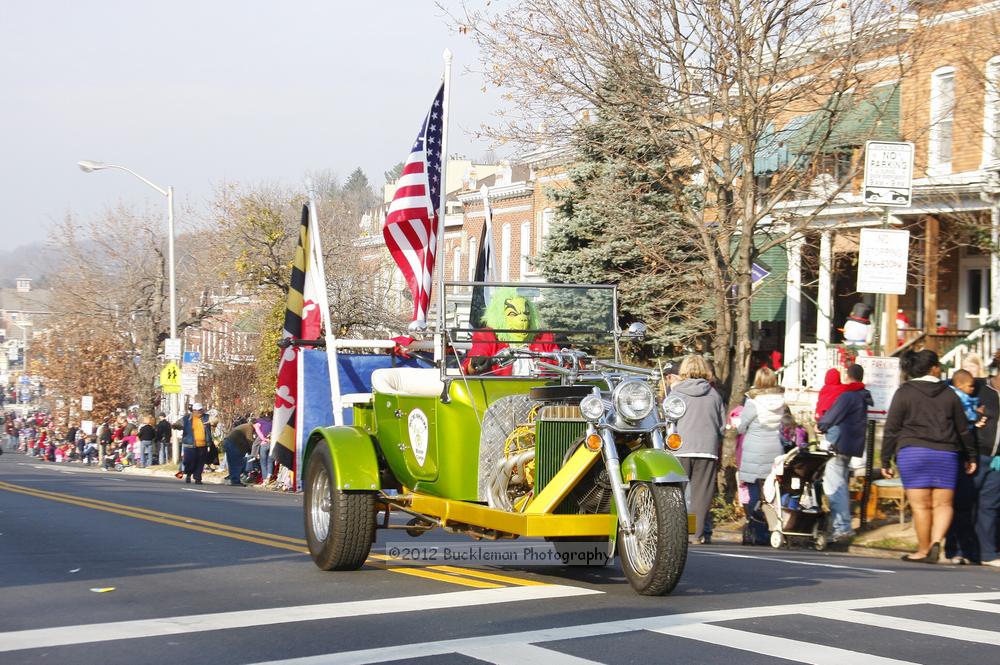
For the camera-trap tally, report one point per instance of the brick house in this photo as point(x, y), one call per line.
point(947, 104)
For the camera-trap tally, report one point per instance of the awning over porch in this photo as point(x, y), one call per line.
point(855, 120)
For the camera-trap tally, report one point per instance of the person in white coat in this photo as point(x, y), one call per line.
point(760, 422)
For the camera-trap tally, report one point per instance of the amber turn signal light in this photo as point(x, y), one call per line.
point(674, 441)
point(594, 442)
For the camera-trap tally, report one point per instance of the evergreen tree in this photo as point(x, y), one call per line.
point(619, 222)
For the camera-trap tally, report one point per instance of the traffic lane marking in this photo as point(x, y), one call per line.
point(793, 561)
point(655, 623)
point(451, 575)
point(122, 630)
point(776, 647)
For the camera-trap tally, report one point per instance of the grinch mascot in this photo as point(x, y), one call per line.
point(515, 317)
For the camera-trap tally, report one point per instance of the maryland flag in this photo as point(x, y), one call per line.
point(302, 321)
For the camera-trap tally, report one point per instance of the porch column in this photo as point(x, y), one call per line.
point(995, 260)
point(931, 246)
point(793, 315)
point(824, 295)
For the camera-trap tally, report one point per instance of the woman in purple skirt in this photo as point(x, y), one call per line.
point(926, 431)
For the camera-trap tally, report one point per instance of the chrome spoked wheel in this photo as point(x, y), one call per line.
point(642, 544)
point(654, 554)
point(319, 505)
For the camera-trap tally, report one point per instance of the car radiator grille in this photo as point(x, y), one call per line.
point(558, 428)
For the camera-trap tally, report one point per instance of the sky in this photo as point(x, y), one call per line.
point(197, 94)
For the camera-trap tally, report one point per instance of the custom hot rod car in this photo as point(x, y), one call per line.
point(529, 426)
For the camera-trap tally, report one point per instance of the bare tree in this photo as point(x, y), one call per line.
point(114, 278)
point(727, 85)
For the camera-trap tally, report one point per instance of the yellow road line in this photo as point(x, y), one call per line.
point(448, 573)
point(442, 577)
point(156, 513)
point(468, 572)
point(474, 572)
point(129, 512)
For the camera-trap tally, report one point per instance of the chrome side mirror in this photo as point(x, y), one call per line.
point(637, 330)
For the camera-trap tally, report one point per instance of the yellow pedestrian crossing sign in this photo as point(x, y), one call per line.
point(170, 378)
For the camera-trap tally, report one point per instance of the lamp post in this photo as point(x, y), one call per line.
point(88, 166)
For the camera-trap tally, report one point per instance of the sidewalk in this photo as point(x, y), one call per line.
point(886, 538)
point(207, 477)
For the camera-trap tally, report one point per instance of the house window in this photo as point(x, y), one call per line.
point(473, 257)
point(991, 122)
point(525, 248)
point(456, 265)
point(942, 121)
point(837, 164)
point(762, 181)
point(505, 254)
point(547, 216)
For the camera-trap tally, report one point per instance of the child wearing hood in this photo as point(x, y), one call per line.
point(760, 423)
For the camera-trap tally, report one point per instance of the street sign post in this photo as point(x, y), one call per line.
point(888, 173)
point(883, 260)
point(172, 348)
point(189, 381)
point(882, 381)
point(170, 378)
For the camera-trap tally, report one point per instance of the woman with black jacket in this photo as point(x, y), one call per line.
point(928, 434)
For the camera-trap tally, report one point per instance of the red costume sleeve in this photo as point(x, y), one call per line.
point(484, 344)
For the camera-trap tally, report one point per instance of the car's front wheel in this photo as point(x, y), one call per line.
point(340, 525)
point(653, 556)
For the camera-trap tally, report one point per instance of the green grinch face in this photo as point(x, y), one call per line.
point(515, 311)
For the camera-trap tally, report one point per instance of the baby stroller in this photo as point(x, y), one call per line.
point(792, 501)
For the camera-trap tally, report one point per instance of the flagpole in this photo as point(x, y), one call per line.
point(316, 248)
point(439, 346)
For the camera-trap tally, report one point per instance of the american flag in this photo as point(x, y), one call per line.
point(411, 225)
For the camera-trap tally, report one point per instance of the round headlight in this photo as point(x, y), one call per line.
point(592, 407)
point(634, 400)
point(674, 407)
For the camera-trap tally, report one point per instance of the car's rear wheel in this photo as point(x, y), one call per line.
point(340, 525)
point(653, 557)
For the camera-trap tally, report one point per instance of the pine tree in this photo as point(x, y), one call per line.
point(619, 222)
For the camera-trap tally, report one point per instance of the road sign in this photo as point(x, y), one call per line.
point(888, 173)
point(189, 381)
point(170, 378)
point(883, 261)
point(881, 380)
point(172, 348)
point(87, 403)
point(192, 357)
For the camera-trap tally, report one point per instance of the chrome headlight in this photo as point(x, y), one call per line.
point(674, 407)
point(634, 399)
point(592, 408)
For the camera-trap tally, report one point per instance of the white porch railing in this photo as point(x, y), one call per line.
point(981, 341)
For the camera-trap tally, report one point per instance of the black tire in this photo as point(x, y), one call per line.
point(586, 551)
point(653, 559)
point(340, 525)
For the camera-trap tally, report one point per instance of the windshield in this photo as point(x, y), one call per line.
point(518, 314)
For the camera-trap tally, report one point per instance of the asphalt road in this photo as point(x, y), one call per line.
point(108, 568)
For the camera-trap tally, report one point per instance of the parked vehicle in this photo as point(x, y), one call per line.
point(547, 440)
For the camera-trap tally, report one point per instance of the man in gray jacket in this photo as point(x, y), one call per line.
point(700, 429)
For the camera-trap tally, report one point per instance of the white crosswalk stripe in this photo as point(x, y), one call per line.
point(530, 646)
point(778, 647)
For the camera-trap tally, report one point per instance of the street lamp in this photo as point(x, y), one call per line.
point(88, 166)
